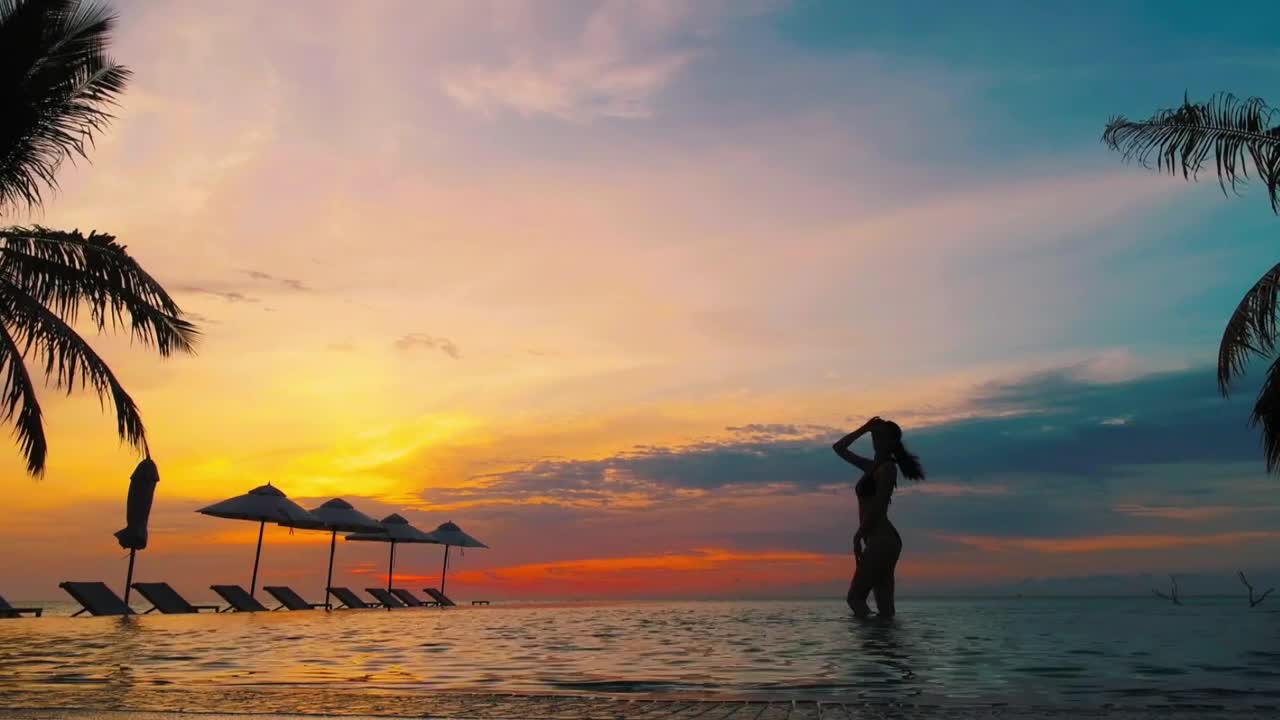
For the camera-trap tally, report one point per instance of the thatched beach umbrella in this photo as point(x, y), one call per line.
point(142, 492)
point(450, 535)
point(337, 516)
point(262, 505)
point(395, 530)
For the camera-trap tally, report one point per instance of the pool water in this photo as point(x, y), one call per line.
point(1025, 651)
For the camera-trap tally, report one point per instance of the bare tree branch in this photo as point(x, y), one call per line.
point(1254, 602)
point(1173, 594)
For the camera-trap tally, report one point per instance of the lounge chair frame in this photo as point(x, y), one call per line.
point(386, 599)
point(408, 598)
point(349, 599)
point(9, 611)
point(167, 601)
point(439, 597)
point(237, 599)
point(95, 598)
point(289, 598)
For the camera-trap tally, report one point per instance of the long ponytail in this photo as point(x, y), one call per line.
point(908, 463)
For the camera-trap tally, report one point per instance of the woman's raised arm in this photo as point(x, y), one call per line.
point(841, 447)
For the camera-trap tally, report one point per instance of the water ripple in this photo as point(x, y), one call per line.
point(1049, 651)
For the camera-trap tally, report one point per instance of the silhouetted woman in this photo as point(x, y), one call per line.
point(876, 562)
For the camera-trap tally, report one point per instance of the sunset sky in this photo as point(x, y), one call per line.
point(601, 282)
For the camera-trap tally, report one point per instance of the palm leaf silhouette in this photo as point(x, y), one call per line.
point(56, 84)
point(1236, 133)
point(1243, 139)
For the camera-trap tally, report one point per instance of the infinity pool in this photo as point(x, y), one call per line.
point(1056, 652)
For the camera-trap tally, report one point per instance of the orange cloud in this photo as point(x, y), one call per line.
point(701, 572)
point(249, 536)
point(696, 572)
point(1105, 543)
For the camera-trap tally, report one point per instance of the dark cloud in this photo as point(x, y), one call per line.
point(234, 296)
point(231, 293)
point(1047, 425)
point(199, 319)
point(775, 431)
point(1058, 424)
point(1048, 456)
point(413, 341)
point(286, 283)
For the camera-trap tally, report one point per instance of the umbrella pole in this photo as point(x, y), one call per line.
point(391, 569)
point(444, 569)
point(328, 581)
point(128, 577)
point(253, 583)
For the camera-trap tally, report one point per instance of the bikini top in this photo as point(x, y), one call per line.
point(866, 487)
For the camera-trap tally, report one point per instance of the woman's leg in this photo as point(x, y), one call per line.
point(883, 589)
point(860, 587)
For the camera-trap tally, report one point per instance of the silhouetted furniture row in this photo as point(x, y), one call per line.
point(96, 598)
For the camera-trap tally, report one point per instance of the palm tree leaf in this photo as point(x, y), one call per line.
point(1266, 414)
point(1237, 133)
point(68, 360)
point(58, 83)
point(63, 270)
point(18, 404)
point(1251, 330)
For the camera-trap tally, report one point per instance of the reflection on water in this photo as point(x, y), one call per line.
point(1040, 651)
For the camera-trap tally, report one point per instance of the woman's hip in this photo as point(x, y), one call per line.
point(882, 548)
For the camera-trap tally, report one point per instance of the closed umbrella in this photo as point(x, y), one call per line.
point(262, 505)
point(337, 516)
point(142, 492)
point(395, 530)
point(450, 535)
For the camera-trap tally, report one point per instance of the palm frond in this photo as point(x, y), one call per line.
point(1266, 415)
point(1236, 133)
point(67, 359)
point(57, 83)
point(18, 404)
point(63, 270)
point(1251, 330)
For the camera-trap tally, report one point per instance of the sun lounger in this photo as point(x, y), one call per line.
point(479, 602)
point(439, 597)
point(289, 599)
point(9, 611)
point(96, 598)
point(238, 600)
point(387, 600)
point(350, 599)
point(167, 600)
point(412, 600)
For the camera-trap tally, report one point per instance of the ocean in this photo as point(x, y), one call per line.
point(1049, 652)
